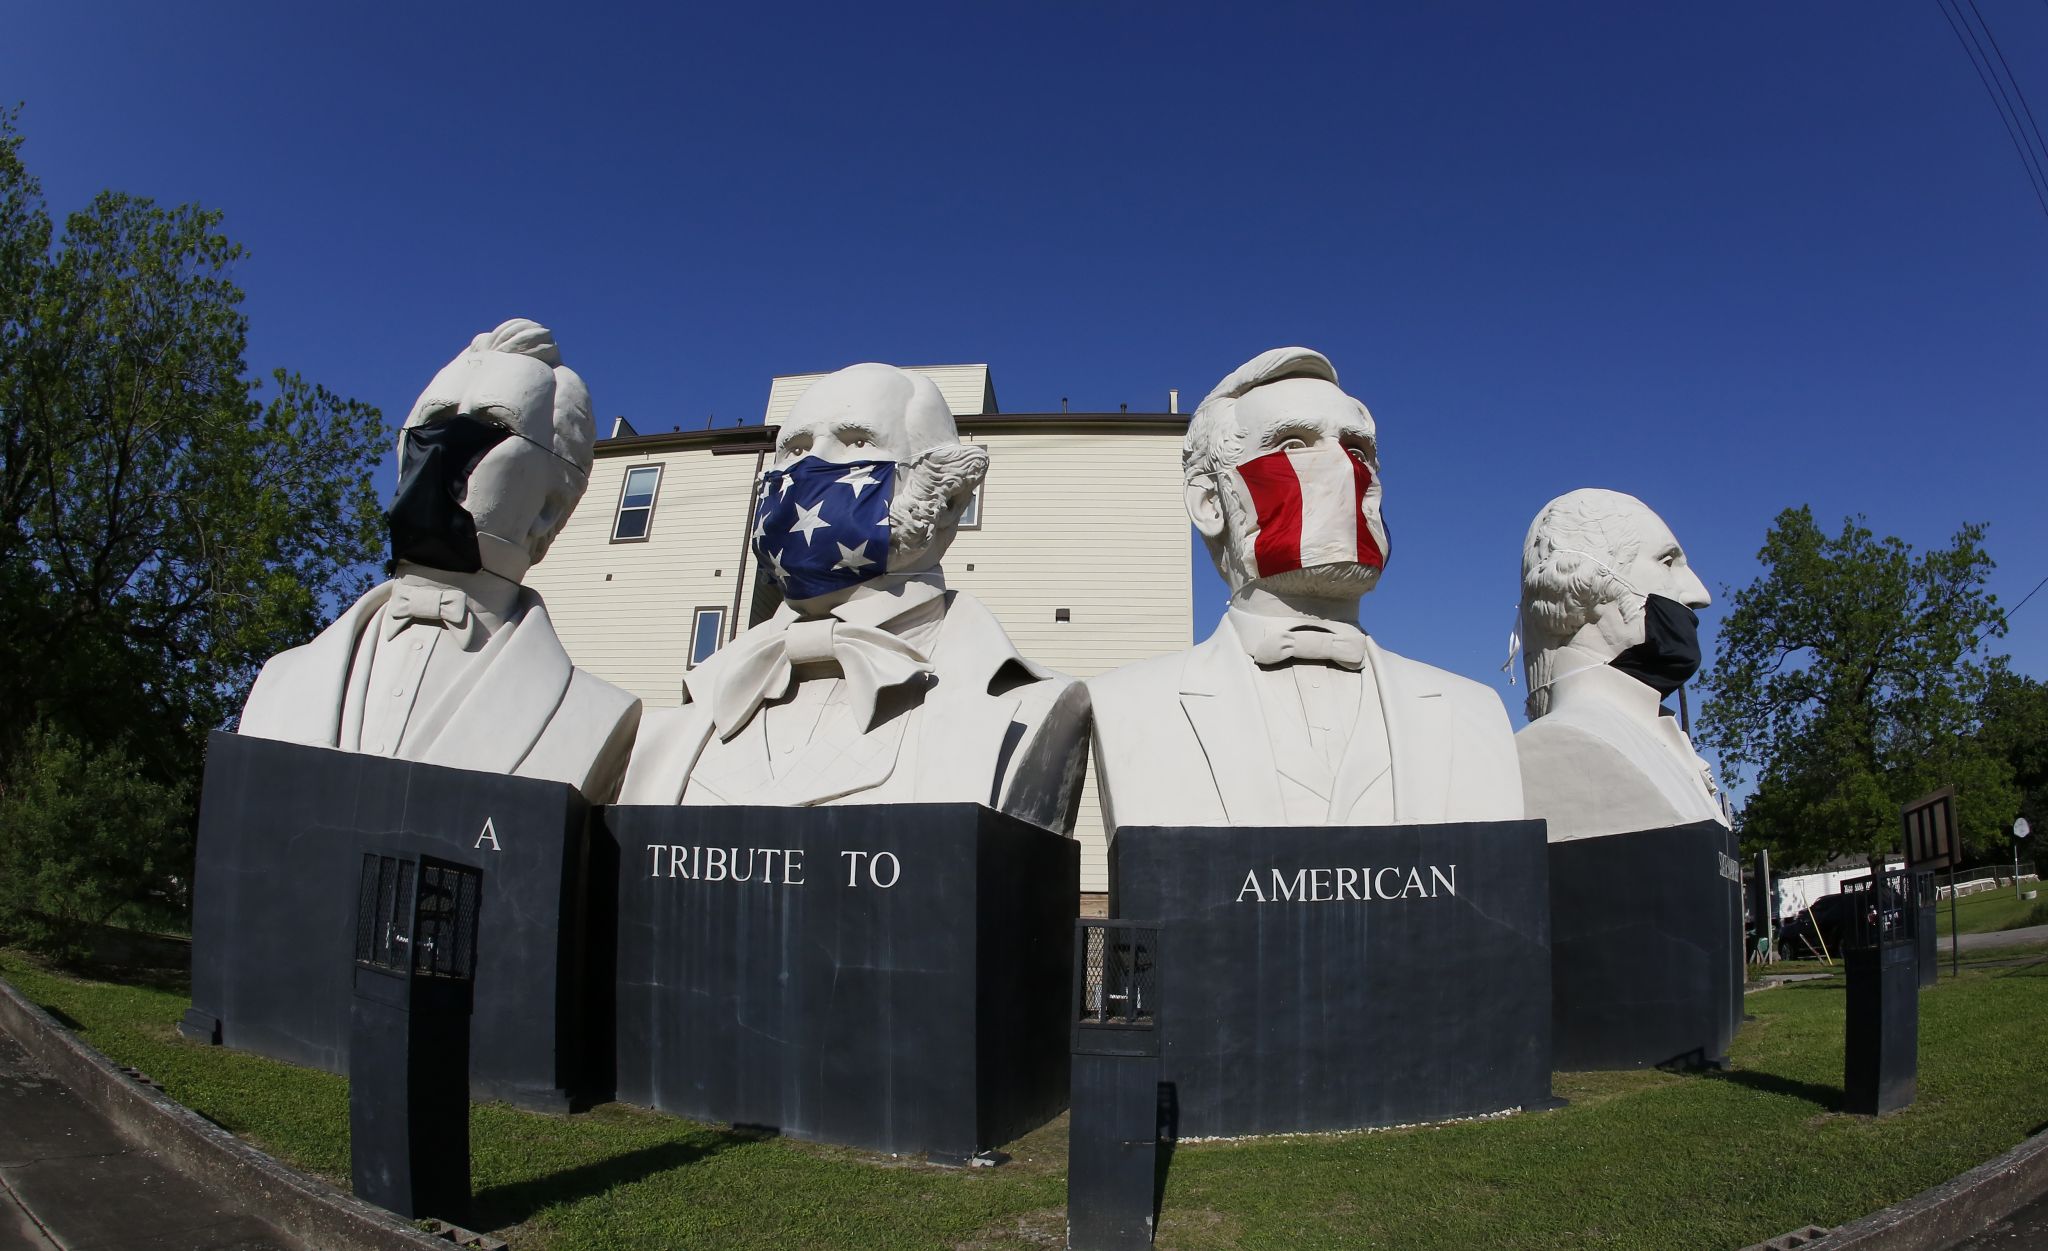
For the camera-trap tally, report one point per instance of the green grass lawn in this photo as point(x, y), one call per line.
point(1991, 910)
point(1637, 1160)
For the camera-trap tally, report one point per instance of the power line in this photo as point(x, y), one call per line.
point(2027, 145)
point(2024, 598)
point(2005, 618)
point(2010, 77)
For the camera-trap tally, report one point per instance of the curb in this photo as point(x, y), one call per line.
point(305, 1209)
point(1943, 1215)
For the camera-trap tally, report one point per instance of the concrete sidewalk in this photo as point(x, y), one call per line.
point(2001, 938)
point(69, 1180)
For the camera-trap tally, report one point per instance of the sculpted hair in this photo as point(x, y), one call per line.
point(573, 424)
point(575, 429)
point(1568, 561)
point(1214, 438)
point(928, 486)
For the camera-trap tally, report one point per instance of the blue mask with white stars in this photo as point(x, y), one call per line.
point(821, 526)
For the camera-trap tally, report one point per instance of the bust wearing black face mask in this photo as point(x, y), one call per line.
point(1610, 623)
point(453, 661)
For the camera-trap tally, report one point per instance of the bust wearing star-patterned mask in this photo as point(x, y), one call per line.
point(871, 683)
point(453, 661)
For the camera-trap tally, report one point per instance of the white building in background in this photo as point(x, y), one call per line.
point(1078, 543)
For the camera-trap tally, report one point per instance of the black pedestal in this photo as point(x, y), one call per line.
point(893, 978)
point(282, 830)
point(1646, 948)
point(1342, 977)
point(1881, 1033)
point(408, 1106)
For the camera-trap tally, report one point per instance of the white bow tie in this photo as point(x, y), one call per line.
point(1346, 651)
point(759, 666)
point(435, 605)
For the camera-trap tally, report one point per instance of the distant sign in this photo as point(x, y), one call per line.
point(1931, 830)
point(2020, 828)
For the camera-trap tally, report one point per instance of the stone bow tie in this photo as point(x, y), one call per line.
point(758, 666)
point(1346, 651)
point(436, 605)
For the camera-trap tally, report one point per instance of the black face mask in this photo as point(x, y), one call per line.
point(1670, 651)
point(429, 525)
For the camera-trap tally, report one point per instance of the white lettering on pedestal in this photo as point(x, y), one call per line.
point(766, 866)
point(490, 832)
point(1338, 883)
point(874, 867)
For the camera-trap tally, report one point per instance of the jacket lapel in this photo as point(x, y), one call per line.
point(308, 686)
point(670, 743)
point(1217, 696)
point(515, 694)
point(951, 765)
point(1418, 735)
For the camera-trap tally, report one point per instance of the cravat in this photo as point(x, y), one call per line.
point(1306, 643)
point(758, 666)
point(437, 605)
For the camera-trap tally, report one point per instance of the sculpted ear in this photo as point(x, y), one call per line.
point(1205, 509)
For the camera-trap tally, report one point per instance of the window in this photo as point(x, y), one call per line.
point(707, 631)
point(970, 517)
point(636, 503)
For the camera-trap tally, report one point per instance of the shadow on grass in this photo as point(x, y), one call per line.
point(499, 1206)
point(61, 1017)
point(1826, 1098)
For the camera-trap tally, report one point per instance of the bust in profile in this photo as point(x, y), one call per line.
point(453, 661)
point(1610, 628)
point(871, 683)
point(1290, 714)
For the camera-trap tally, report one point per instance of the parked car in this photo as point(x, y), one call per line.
point(1806, 935)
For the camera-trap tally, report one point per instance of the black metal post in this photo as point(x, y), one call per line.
point(1881, 1029)
point(1114, 1131)
point(1926, 901)
point(1955, 932)
point(408, 1060)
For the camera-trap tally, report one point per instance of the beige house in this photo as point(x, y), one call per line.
point(1078, 543)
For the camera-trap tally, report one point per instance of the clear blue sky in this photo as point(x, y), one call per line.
point(1729, 258)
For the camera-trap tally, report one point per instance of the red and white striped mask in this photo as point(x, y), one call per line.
point(1317, 505)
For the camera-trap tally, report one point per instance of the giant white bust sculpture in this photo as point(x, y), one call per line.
point(1610, 629)
point(872, 683)
point(1290, 714)
point(452, 661)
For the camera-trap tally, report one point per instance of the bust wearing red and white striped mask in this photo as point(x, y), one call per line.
point(1289, 714)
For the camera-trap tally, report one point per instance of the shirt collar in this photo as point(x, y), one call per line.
point(894, 603)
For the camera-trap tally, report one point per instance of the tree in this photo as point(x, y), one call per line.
point(166, 522)
point(2016, 729)
point(1850, 681)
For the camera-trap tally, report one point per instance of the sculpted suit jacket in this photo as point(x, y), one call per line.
point(1590, 771)
point(1195, 720)
point(530, 713)
point(994, 729)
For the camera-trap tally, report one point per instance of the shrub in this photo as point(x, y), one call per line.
point(84, 834)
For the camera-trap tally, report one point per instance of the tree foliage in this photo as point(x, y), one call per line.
point(84, 835)
point(166, 522)
point(1850, 681)
point(2016, 729)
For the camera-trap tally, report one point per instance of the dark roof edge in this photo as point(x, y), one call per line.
point(752, 437)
